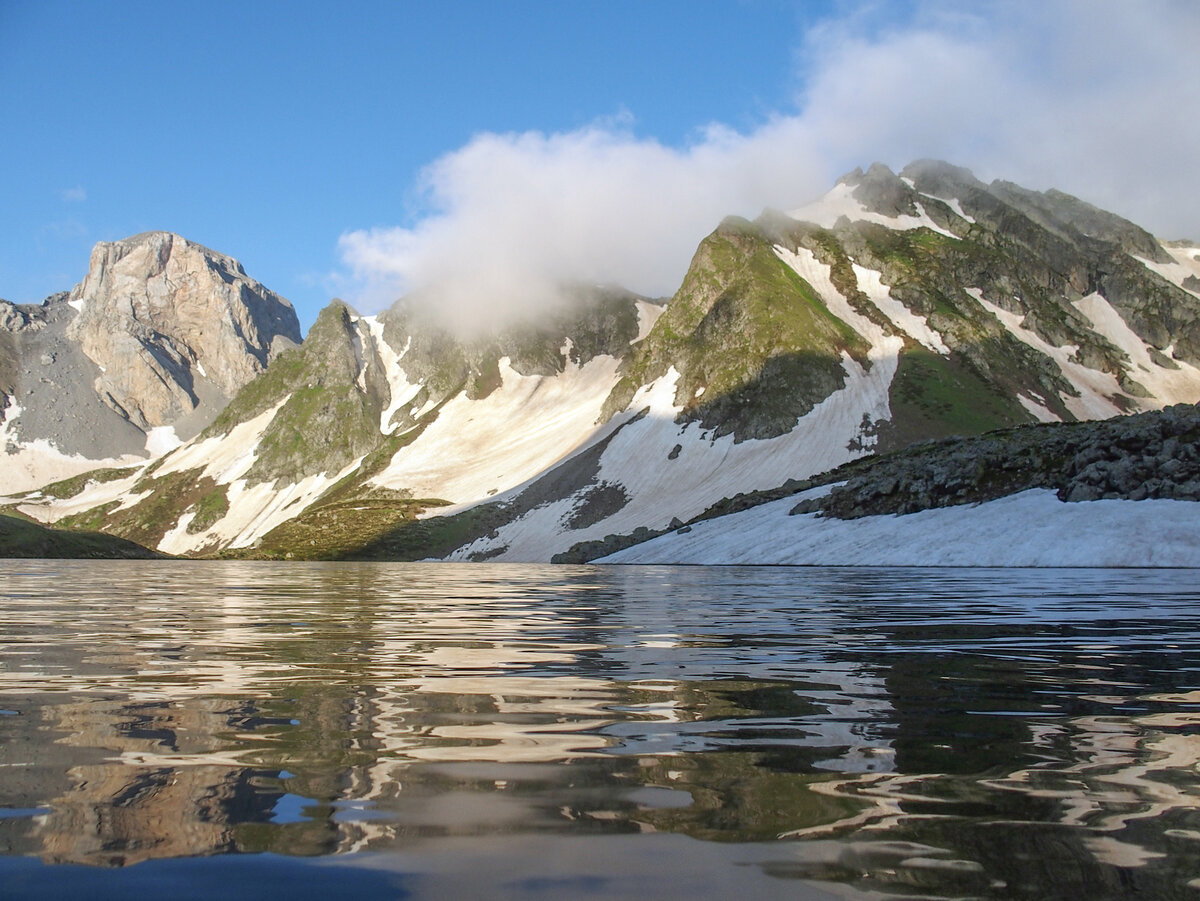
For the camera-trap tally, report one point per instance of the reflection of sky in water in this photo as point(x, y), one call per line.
point(158, 710)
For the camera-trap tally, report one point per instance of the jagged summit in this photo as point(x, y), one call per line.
point(141, 354)
point(204, 309)
point(166, 240)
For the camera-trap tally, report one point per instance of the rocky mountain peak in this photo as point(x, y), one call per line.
point(159, 314)
point(936, 178)
point(881, 190)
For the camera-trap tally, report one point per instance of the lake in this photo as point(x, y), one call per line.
point(252, 730)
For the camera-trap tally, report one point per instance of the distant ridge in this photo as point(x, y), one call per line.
point(897, 309)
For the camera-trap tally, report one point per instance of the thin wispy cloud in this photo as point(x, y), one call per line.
point(77, 194)
point(1096, 98)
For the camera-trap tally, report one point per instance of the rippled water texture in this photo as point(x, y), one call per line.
point(445, 731)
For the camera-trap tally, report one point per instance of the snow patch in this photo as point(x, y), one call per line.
point(402, 390)
point(161, 440)
point(1096, 389)
point(1169, 386)
point(178, 537)
point(954, 205)
point(360, 360)
point(223, 458)
point(841, 201)
point(7, 415)
point(30, 464)
point(93, 495)
point(254, 511)
point(1038, 530)
point(489, 445)
point(1185, 263)
point(1040, 412)
point(200, 369)
point(648, 314)
point(77, 304)
point(916, 327)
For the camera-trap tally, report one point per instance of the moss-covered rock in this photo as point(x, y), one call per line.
point(753, 343)
point(332, 389)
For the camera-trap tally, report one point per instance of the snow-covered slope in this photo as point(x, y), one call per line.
point(1037, 528)
point(1121, 492)
point(899, 308)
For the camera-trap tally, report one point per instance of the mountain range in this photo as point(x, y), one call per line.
point(168, 399)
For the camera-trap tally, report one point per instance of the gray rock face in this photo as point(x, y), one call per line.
point(1066, 248)
point(1149, 455)
point(161, 332)
point(48, 383)
point(160, 315)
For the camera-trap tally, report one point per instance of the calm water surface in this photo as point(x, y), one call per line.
point(252, 730)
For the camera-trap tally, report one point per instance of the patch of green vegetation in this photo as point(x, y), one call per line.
point(755, 346)
point(148, 520)
point(485, 379)
point(318, 429)
point(210, 509)
point(933, 396)
point(21, 538)
point(68, 488)
point(261, 393)
point(436, 536)
point(327, 418)
point(92, 520)
point(345, 529)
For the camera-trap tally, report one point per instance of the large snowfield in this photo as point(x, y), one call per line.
point(1033, 528)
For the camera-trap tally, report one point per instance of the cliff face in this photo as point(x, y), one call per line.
point(160, 334)
point(159, 314)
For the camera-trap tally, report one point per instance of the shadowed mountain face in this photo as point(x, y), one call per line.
point(898, 308)
point(160, 334)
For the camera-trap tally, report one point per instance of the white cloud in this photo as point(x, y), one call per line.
point(521, 213)
point(1098, 98)
point(78, 194)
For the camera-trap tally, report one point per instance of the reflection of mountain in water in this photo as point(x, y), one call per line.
point(346, 708)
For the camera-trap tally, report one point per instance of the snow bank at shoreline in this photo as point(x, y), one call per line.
point(1032, 528)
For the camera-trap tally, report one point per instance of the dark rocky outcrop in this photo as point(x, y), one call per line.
point(1147, 455)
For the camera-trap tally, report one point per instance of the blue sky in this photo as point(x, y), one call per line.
point(367, 149)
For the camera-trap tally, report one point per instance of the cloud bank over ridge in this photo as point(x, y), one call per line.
point(1096, 98)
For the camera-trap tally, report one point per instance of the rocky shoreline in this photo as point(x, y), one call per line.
point(1148, 455)
point(1151, 455)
